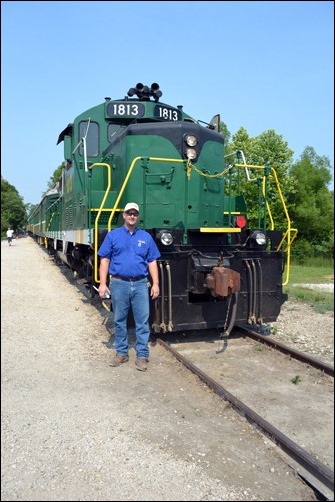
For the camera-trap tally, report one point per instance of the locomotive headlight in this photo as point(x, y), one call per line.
point(190, 148)
point(191, 153)
point(258, 237)
point(191, 140)
point(165, 237)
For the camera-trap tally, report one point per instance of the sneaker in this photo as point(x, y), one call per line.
point(119, 359)
point(141, 364)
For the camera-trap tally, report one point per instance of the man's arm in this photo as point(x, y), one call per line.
point(103, 272)
point(153, 270)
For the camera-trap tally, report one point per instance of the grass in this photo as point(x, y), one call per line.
point(296, 379)
point(310, 274)
point(322, 301)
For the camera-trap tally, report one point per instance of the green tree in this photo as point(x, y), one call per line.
point(312, 204)
point(55, 177)
point(270, 149)
point(13, 210)
point(225, 133)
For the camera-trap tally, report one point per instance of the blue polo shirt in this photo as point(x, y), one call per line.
point(128, 253)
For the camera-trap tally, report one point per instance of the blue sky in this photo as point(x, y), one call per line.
point(261, 65)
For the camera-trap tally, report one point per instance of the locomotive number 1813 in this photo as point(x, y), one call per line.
point(124, 110)
point(166, 113)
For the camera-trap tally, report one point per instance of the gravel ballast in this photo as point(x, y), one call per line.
point(73, 428)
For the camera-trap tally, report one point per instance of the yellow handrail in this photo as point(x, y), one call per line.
point(287, 234)
point(96, 222)
point(132, 165)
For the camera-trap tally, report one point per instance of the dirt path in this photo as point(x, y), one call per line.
point(73, 428)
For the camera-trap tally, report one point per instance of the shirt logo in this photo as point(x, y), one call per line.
point(140, 243)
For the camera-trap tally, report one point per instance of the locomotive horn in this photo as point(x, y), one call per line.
point(145, 94)
point(157, 95)
point(155, 92)
point(142, 91)
point(139, 90)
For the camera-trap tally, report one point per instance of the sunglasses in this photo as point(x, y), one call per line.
point(132, 214)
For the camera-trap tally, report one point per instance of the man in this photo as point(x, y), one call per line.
point(9, 234)
point(127, 254)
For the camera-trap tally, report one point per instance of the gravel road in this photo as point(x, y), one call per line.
point(73, 428)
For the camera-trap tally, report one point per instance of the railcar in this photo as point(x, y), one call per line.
point(215, 271)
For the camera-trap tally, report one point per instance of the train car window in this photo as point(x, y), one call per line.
point(113, 130)
point(90, 131)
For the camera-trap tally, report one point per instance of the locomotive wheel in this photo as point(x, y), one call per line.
point(56, 258)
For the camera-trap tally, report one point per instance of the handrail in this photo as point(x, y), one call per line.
point(96, 222)
point(288, 231)
point(51, 218)
point(115, 207)
point(287, 234)
point(287, 237)
point(132, 165)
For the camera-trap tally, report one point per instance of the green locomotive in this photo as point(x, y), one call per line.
point(215, 272)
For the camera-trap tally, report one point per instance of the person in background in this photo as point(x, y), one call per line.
point(127, 254)
point(9, 234)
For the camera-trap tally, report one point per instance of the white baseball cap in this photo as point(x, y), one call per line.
point(131, 205)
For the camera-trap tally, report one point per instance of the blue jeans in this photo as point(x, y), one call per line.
point(135, 295)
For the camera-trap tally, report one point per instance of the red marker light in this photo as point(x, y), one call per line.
point(241, 221)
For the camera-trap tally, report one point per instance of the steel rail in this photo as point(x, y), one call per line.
point(318, 470)
point(300, 356)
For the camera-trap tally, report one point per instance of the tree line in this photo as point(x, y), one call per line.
point(305, 187)
point(304, 184)
point(13, 210)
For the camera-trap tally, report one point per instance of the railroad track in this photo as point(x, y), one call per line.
point(318, 475)
point(300, 356)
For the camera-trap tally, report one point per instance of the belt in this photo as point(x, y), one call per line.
point(129, 279)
